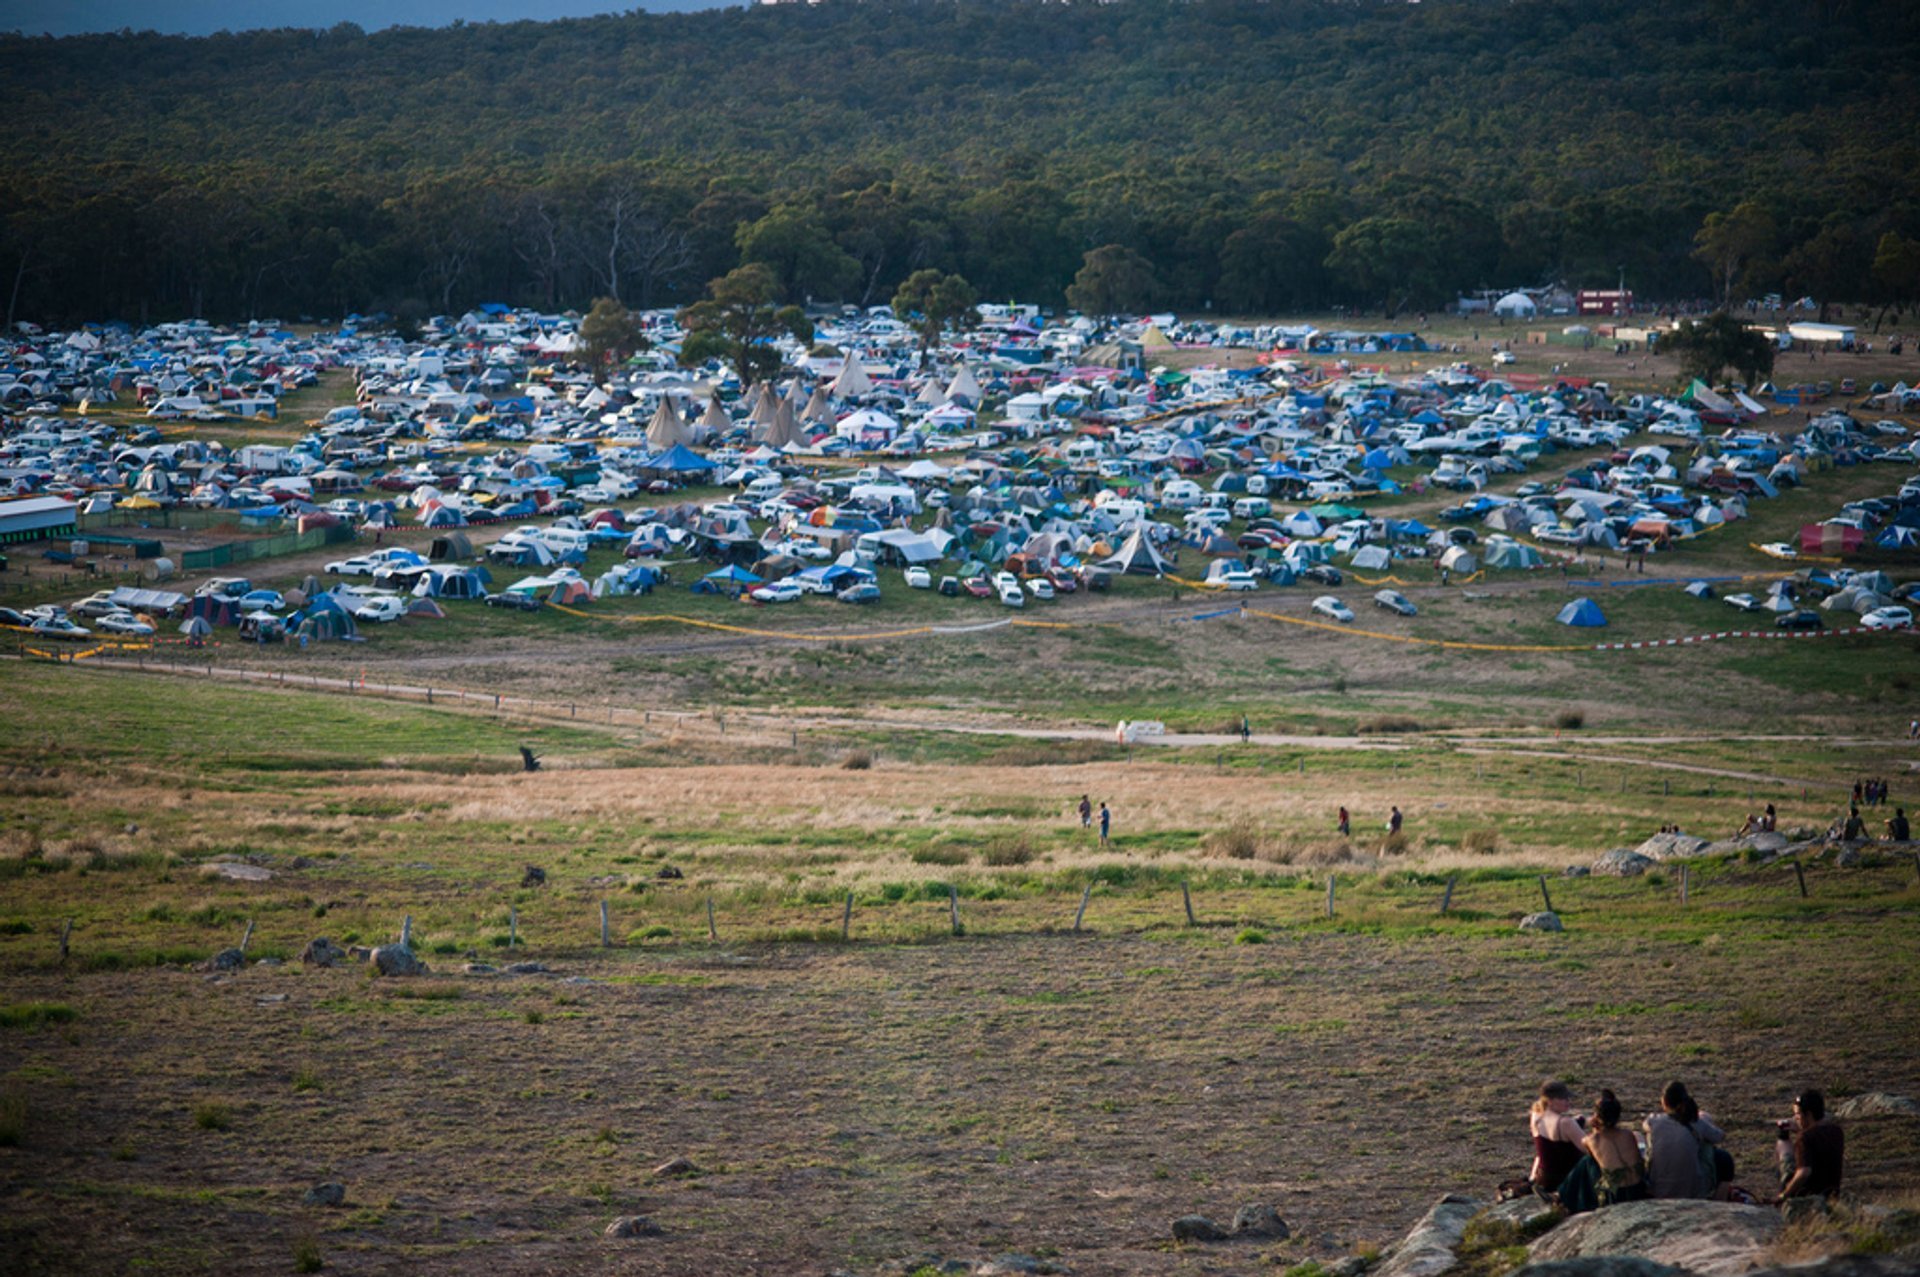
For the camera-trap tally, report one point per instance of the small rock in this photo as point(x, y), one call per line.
point(1257, 1219)
point(237, 872)
point(325, 1195)
point(628, 1227)
point(1542, 921)
point(1196, 1228)
point(1351, 1266)
point(299, 862)
point(668, 871)
point(1622, 863)
point(1876, 1104)
point(271, 1000)
point(397, 960)
point(535, 876)
point(227, 960)
point(1576, 871)
point(479, 968)
point(1525, 1213)
point(675, 1166)
point(321, 952)
point(1849, 858)
point(133, 829)
point(526, 968)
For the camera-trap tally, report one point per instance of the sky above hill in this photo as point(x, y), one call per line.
point(204, 17)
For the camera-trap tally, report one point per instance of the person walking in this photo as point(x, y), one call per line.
point(1246, 730)
point(1394, 821)
point(1346, 823)
point(1106, 822)
point(1086, 813)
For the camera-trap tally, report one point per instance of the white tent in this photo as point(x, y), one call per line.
point(852, 382)
point(1515, 305)
point(1137, 555)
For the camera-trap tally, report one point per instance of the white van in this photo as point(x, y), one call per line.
point(766, 487)
point(1126, 510)
point(1252, 508)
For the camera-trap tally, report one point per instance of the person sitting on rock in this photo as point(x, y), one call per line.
point(1855, 828)
point(1898, 829)
point(1683, 1154)
point(1811, 1161)
point(1557, 1137)
point(1622, 1169)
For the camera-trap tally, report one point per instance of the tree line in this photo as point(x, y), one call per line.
point(1248, 156)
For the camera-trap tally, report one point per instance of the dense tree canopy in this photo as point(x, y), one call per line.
point(1259, 154)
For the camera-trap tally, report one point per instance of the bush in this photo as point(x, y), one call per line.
point(651, 933)
point(1007, 850)
point(212, 1115)
point(306, 1079)
point(13, 1119)
point(1241, 840)
point(937, 856)
point(1569, 720)
point(1251, 935)
point(306, 1256)
point(1481, 841)
point(33, 1015)
point(858, 760)
point(1390, 724)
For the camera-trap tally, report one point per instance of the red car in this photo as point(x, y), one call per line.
point(1064, 581)
point(978, 586)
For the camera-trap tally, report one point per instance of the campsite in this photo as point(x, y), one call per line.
point(811, 893)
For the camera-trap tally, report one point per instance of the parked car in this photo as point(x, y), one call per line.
point(123, 623)
point(1888, 618)
point(517, 602)
point(380, 609)
point(224, 587)
point(864, 592)
point(950, 586)
point(1322, 574)
point(1040, 588)
point(979, 587)
point(1800, 620)
point(61, 628)
point(918, 578)
point(777, 592)
point(262, 601)
point(1327, 605)
point(100, 604)
point(1010, 596)
point(10, 617)
point(1394, 601)
point(1504, 357)
point(1238, 579)
point(1745, 602)
point(1064, 582)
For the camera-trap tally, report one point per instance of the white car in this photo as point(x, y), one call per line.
point(1327, 605)
point(100, 604)
point(1396, 602)
point(1780, 550)
point(381, 608)
point(358, 565)
point(1557, 534)
point(59, 627)
point(1004, 581)
point(1888, 618)
point(778, 592)
point(123, 623)
point(1504, 357)
point(1010, 596)
point(1745, 602)
point(1239, 579)
point(919, 578)
point(1040, 588)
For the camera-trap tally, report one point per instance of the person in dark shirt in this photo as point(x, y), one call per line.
point(1897, 829)
point(1818, 1153)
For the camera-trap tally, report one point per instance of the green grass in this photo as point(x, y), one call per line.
point(35, 1015)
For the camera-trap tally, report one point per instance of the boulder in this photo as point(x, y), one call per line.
point(227, 960)
point(1576, 871)
point(1709, 1239)
point(628, 1227)
point(1600, 1266)
point(325, 1195)
point(1197, 1228)
point(1672, 847)
point(674, 1167)
point(1849, 858)
point(1428, 1249)
point(237, 871)
point(397, 960)
point(322, 952)
point(1898, 1264)
point(1257, 1219)
point(1623, 862)
point(1528, 1214)
point(1546, 920)
point(1876, 1104)
point(535, 876)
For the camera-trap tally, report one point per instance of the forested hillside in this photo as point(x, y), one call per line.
point(1259, 155)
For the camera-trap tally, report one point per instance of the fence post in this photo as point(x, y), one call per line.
point(1081, 912)
point(605, 940)
point(406, 932)
point(1683, 886)
point(1800, 875)
point(713, 933)
point(247, 938)
point(513, 927)
point(1446, 901)
point(1330, 881)
point(1543, 893)
point(953, 906)
point(1186, 898)
point(846, 918)
point(66, 930)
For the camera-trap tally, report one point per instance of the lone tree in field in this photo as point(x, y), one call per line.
point(609, 334)
point(935, 301)
point(1112, 279)
point(1709, 346)
point(1733, 246)
point(739, 322)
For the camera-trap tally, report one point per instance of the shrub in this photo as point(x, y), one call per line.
point(33, 1015)
point(533, 1017)
point(306, 1079)
point(655, 932)
point(306, 1255)
point(937, 856)
point(858, 760)
point(1241, 840)
point(13, 1119)
point(1569, 720)
point(212, 1115)
point(1481, 841)
point(1008, 850)
point(1251, 935)
point(15, 927)
point(1389, 724)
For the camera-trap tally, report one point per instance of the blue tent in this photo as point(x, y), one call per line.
point(1581, 612)
point(678, 459)
point(733, 574)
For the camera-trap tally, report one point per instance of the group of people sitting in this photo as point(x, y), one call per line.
point(1588, 1161)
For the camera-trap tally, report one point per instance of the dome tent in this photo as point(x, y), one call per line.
point(1516, 305)
point(1581, 612)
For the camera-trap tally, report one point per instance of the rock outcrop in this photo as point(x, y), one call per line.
point(1709, 1239)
